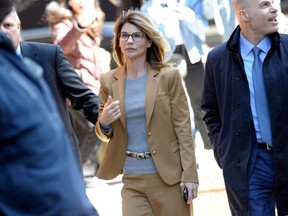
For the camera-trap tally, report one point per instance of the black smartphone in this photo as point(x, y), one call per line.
point(185, 194)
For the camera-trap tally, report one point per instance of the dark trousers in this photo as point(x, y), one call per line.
point(261, 183)
point(194, 85)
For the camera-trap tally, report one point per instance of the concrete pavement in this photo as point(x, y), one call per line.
point(211, 198)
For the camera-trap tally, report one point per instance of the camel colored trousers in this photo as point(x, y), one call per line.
point(148, 195)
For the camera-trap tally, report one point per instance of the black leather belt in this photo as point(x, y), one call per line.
point(141, 155)
point(265, 146)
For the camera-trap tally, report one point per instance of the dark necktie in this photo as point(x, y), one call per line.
point(260, 98)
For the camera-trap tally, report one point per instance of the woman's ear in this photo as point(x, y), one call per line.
point(149, 44)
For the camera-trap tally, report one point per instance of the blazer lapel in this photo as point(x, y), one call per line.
point(118, 89)
point(151, 92)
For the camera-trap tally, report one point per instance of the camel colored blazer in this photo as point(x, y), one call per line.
point(168, 126)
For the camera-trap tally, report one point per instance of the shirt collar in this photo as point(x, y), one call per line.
point(18, 51)
point(246, 46)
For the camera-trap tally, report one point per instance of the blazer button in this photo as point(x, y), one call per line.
point(149, 133)
point(237, 163)
point(154, 152)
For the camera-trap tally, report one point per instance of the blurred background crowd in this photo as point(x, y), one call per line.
point(34, 28)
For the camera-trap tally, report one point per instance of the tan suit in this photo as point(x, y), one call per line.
point(168, 126)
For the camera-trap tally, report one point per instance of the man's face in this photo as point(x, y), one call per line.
point(12, 28)
point(263, 17)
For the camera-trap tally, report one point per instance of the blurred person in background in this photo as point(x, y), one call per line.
point(225, 19)
point(183, 25)
point(76, 26)
point(39, 173)
point(226, 22)
point(60, 76)
point(127, 4)
point(144, 116)
point(283, 22)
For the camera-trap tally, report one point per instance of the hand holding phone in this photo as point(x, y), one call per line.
point(185, 194)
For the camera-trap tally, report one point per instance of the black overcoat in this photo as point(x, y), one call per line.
point(226, 103)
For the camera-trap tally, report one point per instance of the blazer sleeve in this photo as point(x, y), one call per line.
point(182, 126)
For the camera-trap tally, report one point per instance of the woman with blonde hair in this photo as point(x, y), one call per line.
point(144, 116)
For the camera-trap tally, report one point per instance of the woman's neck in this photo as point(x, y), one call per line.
point(135, 70)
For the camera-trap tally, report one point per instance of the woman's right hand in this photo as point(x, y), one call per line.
point(111, 112)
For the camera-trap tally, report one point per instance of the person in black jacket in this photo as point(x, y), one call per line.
point(60, 76)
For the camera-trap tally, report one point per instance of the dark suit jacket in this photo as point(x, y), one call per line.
point(64, 83)
point(38, 171)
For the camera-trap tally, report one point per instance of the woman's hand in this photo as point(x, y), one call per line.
point(87, 18)
point(110, 113)
point(192, 190)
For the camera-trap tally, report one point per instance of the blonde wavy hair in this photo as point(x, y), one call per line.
point(156, 54)
point(56, 12)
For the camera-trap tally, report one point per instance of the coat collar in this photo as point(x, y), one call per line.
point(233, 43)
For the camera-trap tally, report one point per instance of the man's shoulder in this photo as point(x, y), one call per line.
point(39, 46)
point(43, 51)
point(284, 38)
point(220, 47)
point(218, 50)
